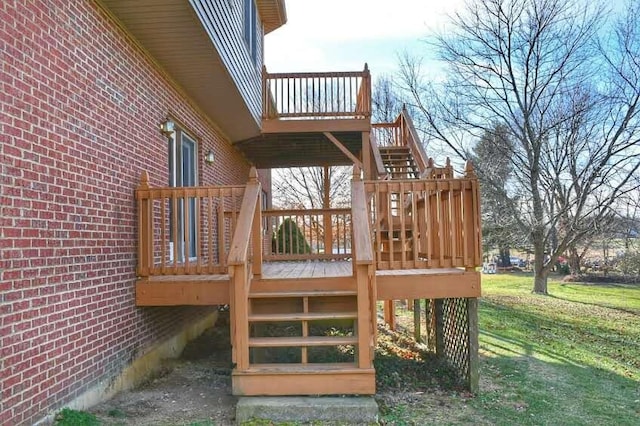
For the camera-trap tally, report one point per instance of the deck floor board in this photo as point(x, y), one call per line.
point(306, 269)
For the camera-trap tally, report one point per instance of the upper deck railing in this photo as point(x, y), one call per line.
point(318, 95)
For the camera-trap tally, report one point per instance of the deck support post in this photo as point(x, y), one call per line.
point(326, 204)
point(390, 313)
point(256, 228)
point(417, 332)
point(366, 156)
point(239, 316)
point(474, 363)
point(145, 227)
point(365, 334)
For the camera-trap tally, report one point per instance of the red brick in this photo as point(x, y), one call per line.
point(68, 248)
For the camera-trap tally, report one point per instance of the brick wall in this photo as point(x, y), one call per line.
point(80, 106)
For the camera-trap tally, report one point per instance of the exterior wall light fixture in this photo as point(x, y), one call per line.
point(210, 157)
point(167, 127)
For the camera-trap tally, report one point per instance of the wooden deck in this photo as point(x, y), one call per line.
point(173, 290)
point(412, 231)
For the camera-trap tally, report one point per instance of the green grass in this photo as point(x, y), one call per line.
point(69, 417)
point(572, 358)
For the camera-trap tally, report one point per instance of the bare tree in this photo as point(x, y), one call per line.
point(386, 101)
point(567, 100)
point(303, 187)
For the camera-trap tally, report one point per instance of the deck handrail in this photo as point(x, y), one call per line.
point(381, 171)
point(428, 223)
point(316, 95)
point(185, 230)
point(413, 140)
point(239, 251)
point(240, 268)
point(307, 234)
point(363, 269)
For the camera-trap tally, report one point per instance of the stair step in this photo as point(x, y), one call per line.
point(399, 159)
point(400, 170)
point(280, 342)
point(308, 293)
point(301, 368)
point(312, 380)
point(301, 316)
point(393, 148)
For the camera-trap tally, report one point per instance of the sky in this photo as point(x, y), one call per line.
point(341, 35)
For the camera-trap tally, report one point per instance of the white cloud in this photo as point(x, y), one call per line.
point(333, 34)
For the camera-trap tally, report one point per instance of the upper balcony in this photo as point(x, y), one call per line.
point(311, 119)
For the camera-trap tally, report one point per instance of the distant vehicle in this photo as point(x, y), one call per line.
point(516, 261)
point(489, 268)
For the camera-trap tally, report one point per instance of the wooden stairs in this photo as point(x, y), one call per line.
point(399, 162)
point(303, 339)
point(396, 237)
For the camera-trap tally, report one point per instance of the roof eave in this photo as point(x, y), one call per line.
point(273, 14)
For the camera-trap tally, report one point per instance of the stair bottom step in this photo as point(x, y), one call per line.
point(306, 379)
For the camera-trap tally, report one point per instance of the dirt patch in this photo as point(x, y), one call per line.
point(196, 389)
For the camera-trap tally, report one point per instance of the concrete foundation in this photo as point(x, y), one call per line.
point(349, 410)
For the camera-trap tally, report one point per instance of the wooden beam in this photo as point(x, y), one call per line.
point(182, 291)
point(428, 286)
point(344, 150)
point(310, 126)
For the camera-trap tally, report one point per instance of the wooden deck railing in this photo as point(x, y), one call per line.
point(326, 95)
point(246, 240)
point(426, 223)
point(363, 268)
point(307, 234)
point(185, 230)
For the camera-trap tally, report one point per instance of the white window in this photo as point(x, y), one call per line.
point(251, 29)
point(183, 151)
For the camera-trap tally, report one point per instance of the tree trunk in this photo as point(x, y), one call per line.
point(540, 283)
point(539, 271)
point(574, 261)
point(505, 257)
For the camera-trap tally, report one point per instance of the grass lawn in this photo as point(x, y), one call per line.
point(572, 358)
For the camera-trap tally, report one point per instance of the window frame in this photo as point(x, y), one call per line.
point(250, 28)
point(180, 144)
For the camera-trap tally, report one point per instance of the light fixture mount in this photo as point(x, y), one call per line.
point(167, 127)
point(210, 157)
